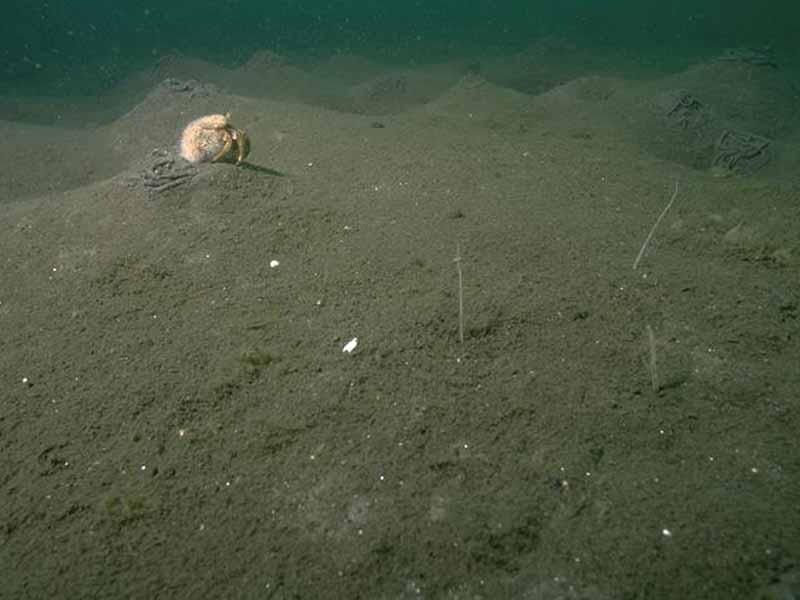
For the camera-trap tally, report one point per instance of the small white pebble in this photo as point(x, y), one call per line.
point(666, 532)
point(273, 264)
point(350, 346)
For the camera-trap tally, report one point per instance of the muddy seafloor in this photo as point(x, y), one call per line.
point(178, 417)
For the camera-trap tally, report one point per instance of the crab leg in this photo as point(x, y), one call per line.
point(240, 146)
point(225, 149)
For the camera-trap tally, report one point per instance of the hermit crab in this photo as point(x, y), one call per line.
point(213, 138)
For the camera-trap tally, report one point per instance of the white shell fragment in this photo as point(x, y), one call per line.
point(351, 345)
point(273, 264)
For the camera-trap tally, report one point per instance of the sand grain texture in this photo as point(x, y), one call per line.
point(178, 418)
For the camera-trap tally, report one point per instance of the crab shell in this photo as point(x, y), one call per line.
point(214, 139)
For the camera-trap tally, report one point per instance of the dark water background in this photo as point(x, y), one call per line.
point(44, 41)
